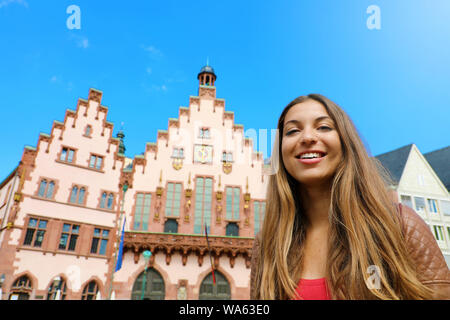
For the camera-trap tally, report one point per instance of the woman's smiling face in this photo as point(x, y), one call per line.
point(310, 147)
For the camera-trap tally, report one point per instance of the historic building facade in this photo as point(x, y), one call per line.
point(63, 208)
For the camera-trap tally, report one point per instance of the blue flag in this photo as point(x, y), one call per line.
point(119, 258)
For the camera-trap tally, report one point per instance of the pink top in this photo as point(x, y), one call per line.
point(312, 289)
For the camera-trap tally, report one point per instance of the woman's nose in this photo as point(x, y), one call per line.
point(308, 136)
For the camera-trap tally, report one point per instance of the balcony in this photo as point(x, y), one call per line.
point(188, 245)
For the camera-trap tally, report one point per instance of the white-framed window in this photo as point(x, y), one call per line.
point(432, 205)
point(438, 232)
point(406, 200)
point(420, 180)
point(420, 204)
point(445, 208)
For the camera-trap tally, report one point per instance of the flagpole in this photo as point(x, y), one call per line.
point(210, 258)
point(125, 188)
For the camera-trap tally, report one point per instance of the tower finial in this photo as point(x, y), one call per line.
point(121, 135)
point(207, 61)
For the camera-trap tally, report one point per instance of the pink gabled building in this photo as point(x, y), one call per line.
point(62, 209)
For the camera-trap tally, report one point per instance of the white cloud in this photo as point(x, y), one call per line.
point(153, 51)
point(158, 88)
point(83, 43)
point(5, 3)
point(80, 41)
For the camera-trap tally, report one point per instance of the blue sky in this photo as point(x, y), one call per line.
point(145, 55)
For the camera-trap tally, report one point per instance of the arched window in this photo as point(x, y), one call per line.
point(53, 294)
point(88, 131)
point(42, 188)
point(50, 188)
point(103, 200)
point(46, 189)
point(171, 226)
point(73, 195)
point(110, 201)
point(220, 291)
point(81, 196)
point(153, 286)
point(90, 291)
point(21, 289)
point(232, 229)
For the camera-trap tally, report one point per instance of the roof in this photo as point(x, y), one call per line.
point(207, 69)
point(439, 160)
point(395, 161)
point(8, 178)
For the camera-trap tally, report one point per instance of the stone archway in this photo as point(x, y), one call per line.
point(154, 286)
point(220, 291)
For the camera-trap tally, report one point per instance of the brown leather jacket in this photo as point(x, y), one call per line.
point(422, 246)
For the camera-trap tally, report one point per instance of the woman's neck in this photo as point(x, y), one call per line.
point(316, 203)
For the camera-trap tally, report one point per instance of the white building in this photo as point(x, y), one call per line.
point(418, 186)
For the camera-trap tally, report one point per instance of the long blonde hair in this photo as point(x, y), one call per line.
point(364, 226)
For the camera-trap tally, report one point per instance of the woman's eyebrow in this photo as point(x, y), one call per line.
point(296, 122)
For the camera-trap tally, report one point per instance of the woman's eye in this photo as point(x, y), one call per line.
point(326, 128)
point(292, 131)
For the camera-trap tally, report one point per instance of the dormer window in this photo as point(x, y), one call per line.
point(204, 133)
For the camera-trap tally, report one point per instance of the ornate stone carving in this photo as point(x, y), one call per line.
point(177, 163)
point(227, 167)
point(207, 92)
point(186, 244)
point(188, 195)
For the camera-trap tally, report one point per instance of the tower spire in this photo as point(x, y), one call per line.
point(206, 76)
point(121, 135)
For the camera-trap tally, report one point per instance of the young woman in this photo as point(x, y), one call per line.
point(331, 228)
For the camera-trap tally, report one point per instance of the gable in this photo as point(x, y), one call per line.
point(418, 176)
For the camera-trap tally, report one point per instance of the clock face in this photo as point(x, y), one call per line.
point(203, 154)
